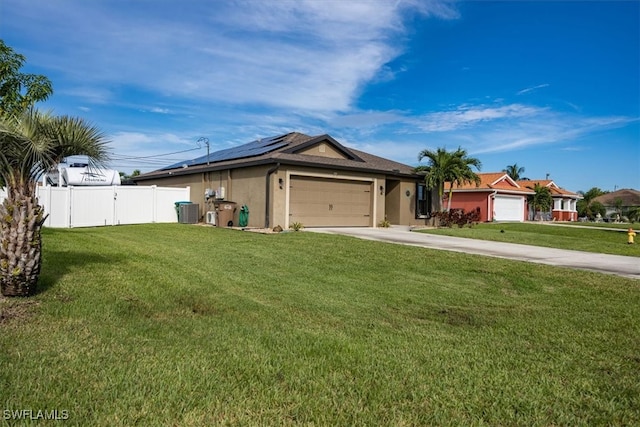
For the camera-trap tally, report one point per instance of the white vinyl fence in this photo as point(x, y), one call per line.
point(113, 205)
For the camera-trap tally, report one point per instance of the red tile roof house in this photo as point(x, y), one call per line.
point(564, 206)
point(500, 198)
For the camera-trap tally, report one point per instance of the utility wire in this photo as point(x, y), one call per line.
point(124, 157)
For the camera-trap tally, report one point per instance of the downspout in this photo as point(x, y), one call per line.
point(268, 194)
point(491, 206)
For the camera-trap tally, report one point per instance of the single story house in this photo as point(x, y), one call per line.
point(499, 198)
point(624, 199)
point(312, 180)
point(564, 207)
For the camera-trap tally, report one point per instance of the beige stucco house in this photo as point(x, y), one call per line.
point(313, 180)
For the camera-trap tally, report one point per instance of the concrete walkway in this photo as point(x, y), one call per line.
point(611, 264)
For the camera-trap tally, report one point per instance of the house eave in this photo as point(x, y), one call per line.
point(270, 161)
point(493, 190)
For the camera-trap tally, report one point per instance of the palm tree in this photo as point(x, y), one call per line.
point(463, 173)
point(541, 200)
point(514, 171)
point(445, 166)
point(587, 206)
point(31, 144)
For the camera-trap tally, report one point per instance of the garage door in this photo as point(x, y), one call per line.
point(508, 208)
point(325, 202)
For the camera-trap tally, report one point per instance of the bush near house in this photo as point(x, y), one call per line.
point(457, 217)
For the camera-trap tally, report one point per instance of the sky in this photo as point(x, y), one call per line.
point(551, 86)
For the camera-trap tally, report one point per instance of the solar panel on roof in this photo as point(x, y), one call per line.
point(251, 149)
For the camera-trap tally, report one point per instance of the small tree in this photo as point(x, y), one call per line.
point(617, 203)
point(633, 214)
point(587, 206)
point(541, 200)
point(32, 144)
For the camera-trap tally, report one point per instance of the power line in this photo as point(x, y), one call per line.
point(124, 157)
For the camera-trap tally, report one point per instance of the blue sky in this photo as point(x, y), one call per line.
point(552, 86)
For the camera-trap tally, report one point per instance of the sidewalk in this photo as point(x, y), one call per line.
point(609, 264)
point(575, 225)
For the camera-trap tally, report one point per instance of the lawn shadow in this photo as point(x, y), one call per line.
point(56, 264)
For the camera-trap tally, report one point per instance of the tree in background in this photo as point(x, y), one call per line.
point(588, 207)
point(31, 143)
point(124, 177)
point(19, 91)
point(444, 166)
point(515, 172)
point(541, 200)
point(633, 214)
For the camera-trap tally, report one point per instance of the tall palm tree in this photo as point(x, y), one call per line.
point(31, 144)
point(463, 173)
point(541, 200)
point(447, 166)
point(514, 171)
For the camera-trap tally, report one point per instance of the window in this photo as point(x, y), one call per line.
point(423, 201)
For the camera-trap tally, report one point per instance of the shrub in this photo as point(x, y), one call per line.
point(384, 223)
point(458, 217)
point(296, 226)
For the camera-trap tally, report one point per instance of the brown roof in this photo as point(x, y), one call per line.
point(629, 197)
point(358, 160)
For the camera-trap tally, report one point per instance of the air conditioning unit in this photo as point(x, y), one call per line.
point(211, 217)
point(189, 213)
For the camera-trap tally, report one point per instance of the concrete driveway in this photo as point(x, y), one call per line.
point(611, 264)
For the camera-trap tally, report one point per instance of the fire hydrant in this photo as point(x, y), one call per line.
point(631, 235)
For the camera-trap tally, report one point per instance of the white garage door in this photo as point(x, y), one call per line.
point(326, 202)
point(508, 208)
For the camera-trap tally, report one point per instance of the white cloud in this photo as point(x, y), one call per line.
point(530, 89)
point(466, 115)
point(308, 54)
point(159, 110)
point(478, 128)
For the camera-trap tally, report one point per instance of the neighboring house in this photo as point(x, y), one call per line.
point(313, 180)
point(564, 201)
point(498, 196)
point(629, 198)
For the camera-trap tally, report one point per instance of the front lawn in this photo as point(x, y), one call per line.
point(190, 326)
point(593, 239)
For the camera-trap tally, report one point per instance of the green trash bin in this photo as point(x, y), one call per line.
point(243, 218)
point(178, 204)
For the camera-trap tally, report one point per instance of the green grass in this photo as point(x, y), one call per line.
point(552, 236)
point(617, 225)
point(190, 326)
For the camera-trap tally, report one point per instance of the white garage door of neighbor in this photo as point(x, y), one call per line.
point(508, 208)
point(328, 202)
